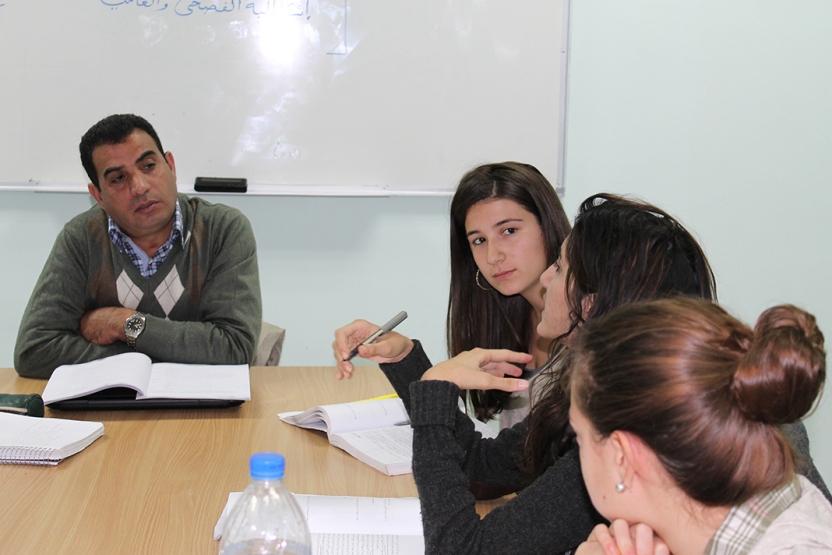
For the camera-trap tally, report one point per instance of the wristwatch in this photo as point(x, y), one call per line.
point(133, 326)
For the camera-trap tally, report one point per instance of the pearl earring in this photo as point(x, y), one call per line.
point(620, 487)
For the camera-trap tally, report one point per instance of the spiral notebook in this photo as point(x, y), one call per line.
point(32, 440)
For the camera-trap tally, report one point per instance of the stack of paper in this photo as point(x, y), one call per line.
point(356, 525)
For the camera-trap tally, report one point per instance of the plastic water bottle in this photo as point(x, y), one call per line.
point(266, 520)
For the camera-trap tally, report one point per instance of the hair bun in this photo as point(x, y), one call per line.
point(782, 373)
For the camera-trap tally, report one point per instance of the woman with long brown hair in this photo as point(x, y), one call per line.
point(507, 226)
point(677, 407)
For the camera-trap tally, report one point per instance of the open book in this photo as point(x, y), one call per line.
point(150, 381)
point(356, 525)
point(33, 440)
point(376, 431)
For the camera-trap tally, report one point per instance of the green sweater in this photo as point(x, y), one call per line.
point(202, 304)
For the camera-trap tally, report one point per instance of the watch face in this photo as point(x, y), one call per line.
point(134, 324)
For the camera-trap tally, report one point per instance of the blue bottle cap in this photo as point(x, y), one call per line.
point(267, 466)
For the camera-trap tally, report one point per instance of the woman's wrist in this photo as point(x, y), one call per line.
point(404, 354)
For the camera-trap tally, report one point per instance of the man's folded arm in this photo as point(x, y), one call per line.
point(48, 336)
point(230, 305)
point(227, 333)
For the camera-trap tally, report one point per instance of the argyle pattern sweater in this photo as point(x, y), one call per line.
point(203, 303)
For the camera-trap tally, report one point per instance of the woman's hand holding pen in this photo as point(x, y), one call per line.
point(482, 369)
point(390, 347)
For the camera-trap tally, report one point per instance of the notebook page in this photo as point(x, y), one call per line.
point(366, 544)
point(76, 380)
point(198, 381)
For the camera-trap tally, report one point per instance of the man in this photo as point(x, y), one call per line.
point(147, 269)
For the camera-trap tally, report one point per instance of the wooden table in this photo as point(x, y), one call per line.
point(157, 481)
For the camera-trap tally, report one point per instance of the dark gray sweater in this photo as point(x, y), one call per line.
point(552, 515)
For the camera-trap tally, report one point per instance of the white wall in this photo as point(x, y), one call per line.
point(720, 112)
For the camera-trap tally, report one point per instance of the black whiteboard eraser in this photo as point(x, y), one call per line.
point(221, 185)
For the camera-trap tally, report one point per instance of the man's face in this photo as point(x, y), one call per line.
point(138, 187)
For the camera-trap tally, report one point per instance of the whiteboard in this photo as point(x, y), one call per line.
point(343, 94)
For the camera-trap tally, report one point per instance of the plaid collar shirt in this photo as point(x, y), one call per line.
point(746, 523)
point(120, 240)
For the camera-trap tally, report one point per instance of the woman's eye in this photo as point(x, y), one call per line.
point(478, 241)
point(509, 230)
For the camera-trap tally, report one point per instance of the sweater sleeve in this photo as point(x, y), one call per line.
point(490, 461)
point(408, 370)
point(552, 515)
point(48, 336)
point(230, 307)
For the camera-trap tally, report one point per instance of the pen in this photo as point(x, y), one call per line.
point(395, 321)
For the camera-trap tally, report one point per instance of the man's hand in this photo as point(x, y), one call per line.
point(105, 326)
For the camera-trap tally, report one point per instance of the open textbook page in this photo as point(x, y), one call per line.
point(151, 381)
point(356, 525)
point(388, 450)
point(377, 432)
point(350, 417)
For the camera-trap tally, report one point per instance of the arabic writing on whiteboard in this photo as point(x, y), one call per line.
point(191, 7)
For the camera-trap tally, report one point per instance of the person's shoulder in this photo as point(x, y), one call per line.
point(804, 527)
point(199, 208)
point(813, 502)
point(90, 222)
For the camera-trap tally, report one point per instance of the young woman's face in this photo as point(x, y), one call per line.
point(554, 322)
point(597, 461)
point(508, 247)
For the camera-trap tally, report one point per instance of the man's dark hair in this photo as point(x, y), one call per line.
point(112, 130)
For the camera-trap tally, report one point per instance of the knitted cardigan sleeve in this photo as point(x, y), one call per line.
point(552, 515)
